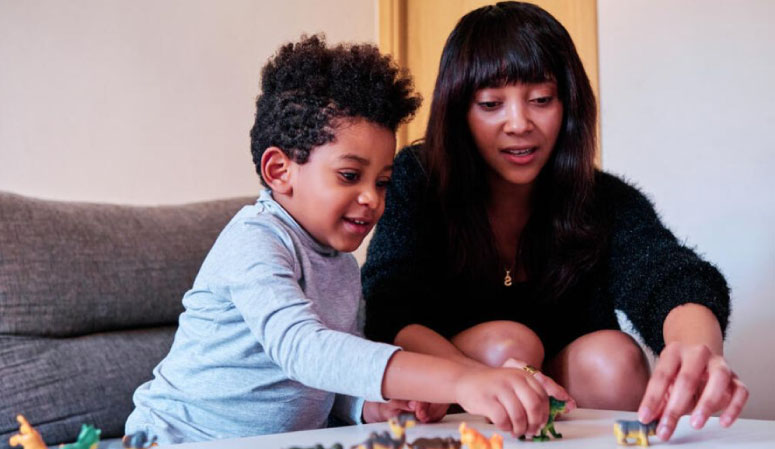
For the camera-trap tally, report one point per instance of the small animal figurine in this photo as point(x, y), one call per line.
point(88, 438)
point(380, 441)
point(28, 437)
point(435, 443)
point(475, 440)
point(319, 446)
point(624, 429)
point(138, 440)
point(556, 407)
point(399, 424)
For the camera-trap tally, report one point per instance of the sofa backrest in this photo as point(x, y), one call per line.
point(89, 299)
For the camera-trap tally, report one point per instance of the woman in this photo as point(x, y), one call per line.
point(501, 241)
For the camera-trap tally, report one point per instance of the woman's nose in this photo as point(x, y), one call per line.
point(517, 119)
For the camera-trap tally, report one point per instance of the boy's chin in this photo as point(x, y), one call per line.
point(347, 246)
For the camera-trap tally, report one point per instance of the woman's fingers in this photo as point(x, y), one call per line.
point(715, 393)
point(694, 363)
point(739, 398)
point(664, 372)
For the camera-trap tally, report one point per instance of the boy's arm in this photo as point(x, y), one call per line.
point(264, 287)
point(349, 409)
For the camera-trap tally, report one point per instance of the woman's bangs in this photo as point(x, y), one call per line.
point(507, 58)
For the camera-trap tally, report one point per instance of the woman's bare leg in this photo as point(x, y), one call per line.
point(603, 369)
point(494, 342)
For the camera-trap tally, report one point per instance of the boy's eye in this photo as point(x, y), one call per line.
point(349, 176)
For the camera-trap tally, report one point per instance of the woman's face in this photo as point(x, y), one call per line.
point(515, 127)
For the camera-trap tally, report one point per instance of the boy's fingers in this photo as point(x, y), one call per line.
point(517, 419)
point(554, 389)
point(498, 415)
point(656, 390)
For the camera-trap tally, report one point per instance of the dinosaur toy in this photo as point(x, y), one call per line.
point(319, 446)
point(435, 443)
point(88, 438)
point(28, 437)
point(138, 440)
point(380, 441)
point(634, 429)
point(399, 424)
point(475, 440)
point(556, 407)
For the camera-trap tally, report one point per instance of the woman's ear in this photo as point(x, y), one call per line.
point(276, 170)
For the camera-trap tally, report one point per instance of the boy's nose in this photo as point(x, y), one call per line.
point(369, 198)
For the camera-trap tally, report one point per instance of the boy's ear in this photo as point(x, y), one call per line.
point(276, 170)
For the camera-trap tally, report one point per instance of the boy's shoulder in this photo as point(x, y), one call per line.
point(255, 229)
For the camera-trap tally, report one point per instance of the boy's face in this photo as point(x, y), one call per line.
point(339, 193)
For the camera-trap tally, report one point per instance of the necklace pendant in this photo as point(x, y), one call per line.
point(507, 279)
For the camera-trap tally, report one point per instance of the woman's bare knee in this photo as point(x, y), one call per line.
point(605, 369)
point(494, 342)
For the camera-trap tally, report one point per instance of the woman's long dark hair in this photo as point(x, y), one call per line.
point(513, 42)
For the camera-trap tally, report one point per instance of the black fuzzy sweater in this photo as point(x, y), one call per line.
point(645, 273)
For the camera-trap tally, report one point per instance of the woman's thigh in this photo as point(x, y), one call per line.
point(605, 369)
point(494, 342)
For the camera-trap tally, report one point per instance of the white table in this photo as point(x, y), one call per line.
point(581, 429)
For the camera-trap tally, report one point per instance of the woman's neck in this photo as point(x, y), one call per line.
point(508, 210)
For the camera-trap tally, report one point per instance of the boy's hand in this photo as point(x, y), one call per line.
point(426, 412)
point(512, 399)
point(382, 411)
point(551, 387)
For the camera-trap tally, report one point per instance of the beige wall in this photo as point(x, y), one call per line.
point(144, 101)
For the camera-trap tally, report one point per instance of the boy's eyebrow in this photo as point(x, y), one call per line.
point(356, 158)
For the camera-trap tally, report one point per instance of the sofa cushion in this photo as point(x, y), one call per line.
point(60, 383)
point(70, 269)
point(89, 298)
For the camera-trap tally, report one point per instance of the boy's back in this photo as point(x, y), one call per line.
point(261, 310)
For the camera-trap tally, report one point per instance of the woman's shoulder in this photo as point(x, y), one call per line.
point(409, 173)
point(617, 191)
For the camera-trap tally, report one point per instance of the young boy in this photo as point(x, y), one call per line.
point(269, 328)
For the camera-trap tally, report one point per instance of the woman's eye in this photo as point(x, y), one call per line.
point(383, 183)
point(543, 100)
point(488, 104)
point(349, 176)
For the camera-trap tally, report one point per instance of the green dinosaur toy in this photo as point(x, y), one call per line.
point(556, 407)
point(88, 438)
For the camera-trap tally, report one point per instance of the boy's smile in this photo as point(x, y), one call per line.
point(338, 194)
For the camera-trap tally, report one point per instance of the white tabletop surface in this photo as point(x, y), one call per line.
point(580, 428)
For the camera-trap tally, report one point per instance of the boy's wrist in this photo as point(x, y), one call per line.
point(370, 413)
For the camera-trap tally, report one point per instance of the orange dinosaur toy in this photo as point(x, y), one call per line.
point(475, 440)
point(28, 437)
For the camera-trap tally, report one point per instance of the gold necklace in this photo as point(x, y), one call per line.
point(507, 279)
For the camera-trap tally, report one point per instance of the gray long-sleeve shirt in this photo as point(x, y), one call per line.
point(267, 337)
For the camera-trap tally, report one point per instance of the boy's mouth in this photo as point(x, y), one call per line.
point(358, 225)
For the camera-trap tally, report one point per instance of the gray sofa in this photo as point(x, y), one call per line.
point(89, 300)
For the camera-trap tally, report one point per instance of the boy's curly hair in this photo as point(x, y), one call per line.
point(306, 86)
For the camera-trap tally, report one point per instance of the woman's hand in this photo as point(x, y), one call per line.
point(691, 378)
point(511, 399)
point(382, 411)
